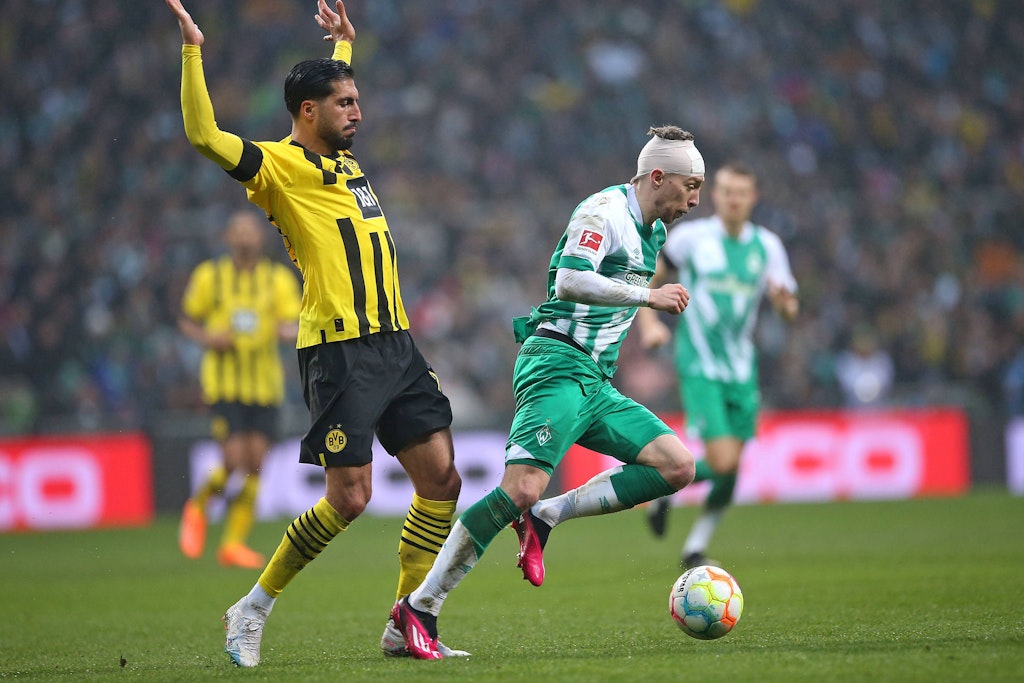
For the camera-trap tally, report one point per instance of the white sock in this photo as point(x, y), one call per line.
point(456, 559)
point(259, 600)
point(596, 497)
point(702, 531)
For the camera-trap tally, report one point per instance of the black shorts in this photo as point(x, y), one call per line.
point(230, 418)
point(378, 384)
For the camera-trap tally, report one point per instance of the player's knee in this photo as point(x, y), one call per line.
point(348, 506)
point(724, 468)
point(723, 454)
point(524, 499)
point(439, 482)
point(671, 458)
point(429, 461)
point(350, 501)
point(253, 465)
point(524, 492)
point(679, 470)
point(451, 483)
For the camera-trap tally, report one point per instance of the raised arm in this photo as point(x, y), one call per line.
point(339, 29)
point(225, 149)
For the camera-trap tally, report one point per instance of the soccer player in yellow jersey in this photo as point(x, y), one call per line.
point(238, 307)
point(361, 372)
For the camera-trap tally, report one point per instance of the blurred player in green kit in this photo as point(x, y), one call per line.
point(728, 264)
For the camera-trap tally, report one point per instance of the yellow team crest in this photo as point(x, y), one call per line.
point(219, 428)
point(335, 441)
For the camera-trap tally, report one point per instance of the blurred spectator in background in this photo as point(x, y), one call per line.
point(894, 135)
point(864, 371)
point(238, 307)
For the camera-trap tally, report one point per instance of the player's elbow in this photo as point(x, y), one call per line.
point(561, 291)
point(199, 138)
point(565, 285)
point(213, 144)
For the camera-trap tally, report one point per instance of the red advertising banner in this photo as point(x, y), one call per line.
point(75, 482)
point(830, 455)
point(798, 456)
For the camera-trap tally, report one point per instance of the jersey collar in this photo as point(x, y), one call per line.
point(634, 204)
point(337, 155)
point(746, 233)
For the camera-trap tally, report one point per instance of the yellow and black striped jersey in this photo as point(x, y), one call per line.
point(250, 304)
point(326, 211)
point(336, 233)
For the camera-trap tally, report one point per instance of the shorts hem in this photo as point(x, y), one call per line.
point(538, 464)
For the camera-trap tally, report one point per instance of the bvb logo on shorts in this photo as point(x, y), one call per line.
point(220, 428)
point(335, 440)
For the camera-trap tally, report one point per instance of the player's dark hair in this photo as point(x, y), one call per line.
point(670, 133)
point(314, 80)
point(739, 168)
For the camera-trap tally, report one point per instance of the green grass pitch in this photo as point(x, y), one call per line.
point(920, 590)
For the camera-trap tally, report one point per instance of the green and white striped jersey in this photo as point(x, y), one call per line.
point(606, 234)
point(726, 278)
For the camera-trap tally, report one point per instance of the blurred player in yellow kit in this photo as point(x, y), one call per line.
point(238, 307)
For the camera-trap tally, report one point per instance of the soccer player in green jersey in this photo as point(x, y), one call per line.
point(597, 279)
point(728, 264)
point(362, 374)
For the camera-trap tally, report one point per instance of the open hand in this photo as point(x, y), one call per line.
point(335, 23)
point(783, 301)
point(190, 33)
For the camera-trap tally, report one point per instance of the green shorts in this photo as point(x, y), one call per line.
point(715, 409)
point(562, 398)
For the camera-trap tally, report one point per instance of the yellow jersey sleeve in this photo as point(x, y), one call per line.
point(198, 301)
point(343, 52)
point(223, 148)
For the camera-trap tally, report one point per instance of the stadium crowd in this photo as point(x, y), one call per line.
point(889, 139)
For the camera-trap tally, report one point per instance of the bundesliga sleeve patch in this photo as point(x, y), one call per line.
point(591, 240)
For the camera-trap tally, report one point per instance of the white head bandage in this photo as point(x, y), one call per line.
point(671, 156)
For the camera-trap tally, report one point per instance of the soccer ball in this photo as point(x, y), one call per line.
point(706, 602)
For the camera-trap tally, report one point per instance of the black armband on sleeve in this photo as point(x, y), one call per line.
point(249, 164)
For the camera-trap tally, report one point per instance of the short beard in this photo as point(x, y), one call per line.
point(338, 141)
